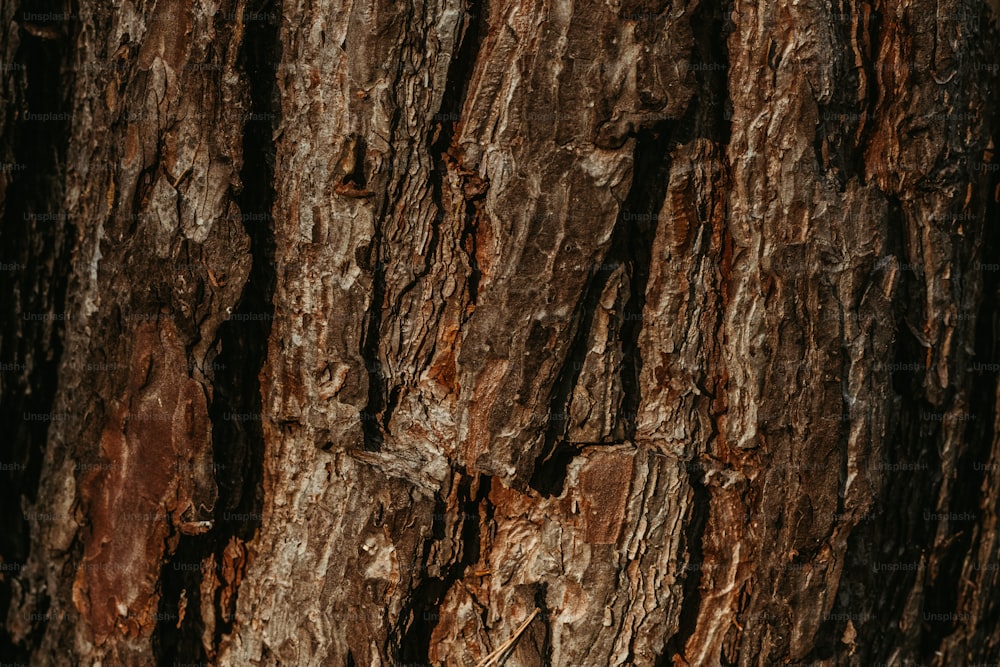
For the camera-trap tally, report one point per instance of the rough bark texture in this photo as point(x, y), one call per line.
point(362, 331)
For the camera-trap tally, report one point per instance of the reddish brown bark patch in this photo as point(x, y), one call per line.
point(604, 487)
point(158, 434)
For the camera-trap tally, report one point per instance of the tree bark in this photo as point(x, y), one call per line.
point(365, 334)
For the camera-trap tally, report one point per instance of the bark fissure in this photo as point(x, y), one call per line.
point(460, 71)
point(694, 531)
point(440, 142)
point(630, 246)
point(236, 407)
point(550, 468)
point(36, 240)
point(642, 207)
point(376, 415)
point(371, 343)
point(545, 618)
point(967, 505)
point(870, 41)
point(711, 24)
point(470, 243)
point(425, 605)
point(711, 114)
point(374, 419)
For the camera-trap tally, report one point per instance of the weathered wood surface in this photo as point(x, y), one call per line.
point(673, 320)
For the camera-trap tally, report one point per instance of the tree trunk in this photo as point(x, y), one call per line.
point(642, 333)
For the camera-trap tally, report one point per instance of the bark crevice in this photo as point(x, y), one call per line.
point(36, 240)
point(545, 618)
point(694, 531)
point(967, 503)
point(642, 208)
point(447, 156)
point(425, 605)
point(630, 246)
point(236, 406)
point(371, 343)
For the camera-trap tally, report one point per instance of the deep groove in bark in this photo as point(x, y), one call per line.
point(416, 626)
point(439, 143)
point(371, 342)
point(459, 78)
point(545, 618)
point(460, 72)
point(238, 443)
point(463, 63)
point(652, 173)
point(172, 644)
point(377, 414)
point(872, 39)
point(711, 24)
point(469, 242)
point(550, 468)
point(39, 250)
point(424, 607)
point(390, 406)
point(631, 245)
point(943, 594)
point(694, 530)
point(890, 535)
point(909, 441)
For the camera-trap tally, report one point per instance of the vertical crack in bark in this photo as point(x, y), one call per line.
point(371, 338)
point(175, 640)
point(711, 24)
point(642, 207)
point(897, 534)
point(550, 468)
point(944, 592)
point(371, 342)
point(632, 242)
point(470, 237)
point(440, 144)
point(36, 240)
point(460, 71)
point(411, 641)
point(870, 37)
point(545, 618)
point(377, 413)
point(235, 411)
point(694, 530)
point(631, 245)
